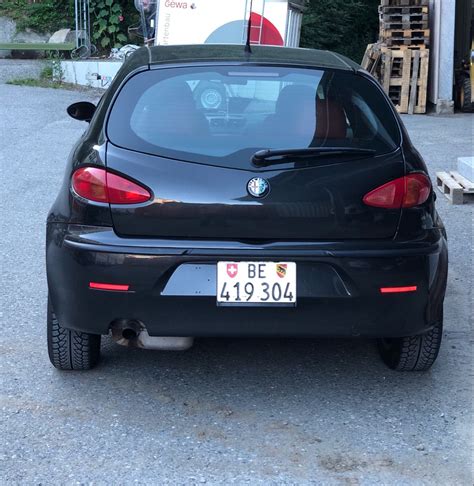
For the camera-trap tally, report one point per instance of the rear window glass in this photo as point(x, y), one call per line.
point(222, 115)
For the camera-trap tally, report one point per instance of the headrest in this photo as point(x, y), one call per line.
point(293, 97)
point(330, 119)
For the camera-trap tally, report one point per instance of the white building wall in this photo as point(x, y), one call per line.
point(442, 55)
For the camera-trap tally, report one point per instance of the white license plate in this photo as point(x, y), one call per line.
point(251, 283)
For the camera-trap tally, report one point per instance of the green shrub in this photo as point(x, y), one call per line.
point(344, 26)
point(107, 28)
point(47, 72)
point(109, 18)
point(46, 17)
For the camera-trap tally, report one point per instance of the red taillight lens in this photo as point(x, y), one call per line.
point(106, 286)
point(404, 192)
point(417, 191)
point(123, 191)
point(96, 184)
point(398, 290)
point(91, 183)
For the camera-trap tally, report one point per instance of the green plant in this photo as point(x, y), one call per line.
point(54, 69)
point(107, 31)
point(46, 16)
point(344, 26)
point(110, 19)
point(47, 72)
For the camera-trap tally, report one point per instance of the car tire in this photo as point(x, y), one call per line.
point(71, 350)
point(465, 103)
point(412, 353)
point(210, 96)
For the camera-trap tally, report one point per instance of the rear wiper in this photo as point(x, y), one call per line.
point(264, 158)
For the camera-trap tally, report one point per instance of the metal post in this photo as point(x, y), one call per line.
point(83, 30)
point(262, 23)
point(76, 18)
point(245, 22)
point(85, 23)
point(144, 24)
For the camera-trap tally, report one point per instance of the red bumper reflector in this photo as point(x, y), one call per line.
point(397, 290)
point(105, 286)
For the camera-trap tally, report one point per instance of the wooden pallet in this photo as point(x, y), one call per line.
point(404, 10)
point(404, 21)
point(403, 14)
point(371, 59)
point(405, 79)
point(404, 3)
point(454, 186)
point(394, 25)
point(406, 38)
point(404, 18)
point(408, 47)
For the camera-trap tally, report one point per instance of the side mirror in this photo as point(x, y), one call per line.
point(82, 111)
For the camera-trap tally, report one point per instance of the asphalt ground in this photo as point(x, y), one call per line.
point(227, 411)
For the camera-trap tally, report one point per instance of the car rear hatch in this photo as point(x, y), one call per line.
point(189, 134)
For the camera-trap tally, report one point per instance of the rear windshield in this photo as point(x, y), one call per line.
point(222, 115)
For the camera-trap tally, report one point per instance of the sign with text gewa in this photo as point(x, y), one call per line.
point(220, 22)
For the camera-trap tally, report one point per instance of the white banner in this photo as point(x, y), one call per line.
point(220, 22)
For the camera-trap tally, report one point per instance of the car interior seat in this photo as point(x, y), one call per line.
point(168, 110)
point(331, 120)
point(303, 116)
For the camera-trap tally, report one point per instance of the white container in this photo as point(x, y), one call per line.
point(466, 167)
point(274, 22)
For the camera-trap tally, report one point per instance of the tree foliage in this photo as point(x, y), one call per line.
point(45, 17)
point(107, 28)
point(344, 26)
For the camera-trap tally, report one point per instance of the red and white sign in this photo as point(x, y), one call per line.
point(220, 22)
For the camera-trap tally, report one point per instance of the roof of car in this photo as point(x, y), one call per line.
point(236, 53)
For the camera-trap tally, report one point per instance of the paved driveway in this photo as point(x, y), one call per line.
point(257, 411)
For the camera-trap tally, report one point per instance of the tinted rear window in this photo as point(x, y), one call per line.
point(222, 115)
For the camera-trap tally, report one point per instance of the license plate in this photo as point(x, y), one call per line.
point(256, 283)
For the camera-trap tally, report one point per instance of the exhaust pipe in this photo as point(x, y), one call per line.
point(134, 335)
point(129, 334)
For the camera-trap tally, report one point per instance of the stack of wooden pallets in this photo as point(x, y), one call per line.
point(405, 24)
point(401, 56)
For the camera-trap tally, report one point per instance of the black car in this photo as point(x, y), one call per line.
point(218, 192)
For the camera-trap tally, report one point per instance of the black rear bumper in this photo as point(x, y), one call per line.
point(173, 290)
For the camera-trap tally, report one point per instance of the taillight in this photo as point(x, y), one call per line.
point(96, 184)
point(124, 191)
point(398, 290)
point(107, 286)
point(418, 188)
point(404, 192)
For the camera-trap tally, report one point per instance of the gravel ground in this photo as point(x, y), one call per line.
point(227, 411)
point(15, 69)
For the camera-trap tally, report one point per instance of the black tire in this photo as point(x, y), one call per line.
point(412, 353)
point(465, 95)
point(71, 350)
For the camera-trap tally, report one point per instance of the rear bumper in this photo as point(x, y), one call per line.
point(173, 290)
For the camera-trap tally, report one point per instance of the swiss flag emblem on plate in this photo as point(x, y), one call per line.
point(232, 270)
